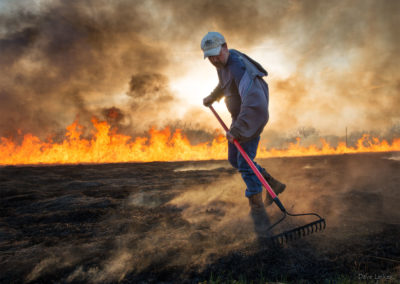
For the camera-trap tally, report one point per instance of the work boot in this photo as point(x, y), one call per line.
point(276, 186)
point(255, 202)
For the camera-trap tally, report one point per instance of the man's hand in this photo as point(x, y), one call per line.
point(207, 101)
point(230, 137)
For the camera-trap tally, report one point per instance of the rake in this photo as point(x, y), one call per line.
point(289, 235)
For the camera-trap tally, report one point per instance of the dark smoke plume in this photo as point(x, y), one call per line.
point(68, 59)
point(60, 59)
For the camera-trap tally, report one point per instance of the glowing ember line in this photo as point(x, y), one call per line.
point(106, 146)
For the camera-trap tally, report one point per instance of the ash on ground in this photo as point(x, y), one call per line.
point(190, 222)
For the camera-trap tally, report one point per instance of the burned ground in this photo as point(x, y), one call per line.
point(189, 222)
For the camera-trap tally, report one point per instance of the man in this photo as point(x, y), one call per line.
point(246, 97)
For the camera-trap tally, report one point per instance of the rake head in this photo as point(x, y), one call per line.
point(299, 232)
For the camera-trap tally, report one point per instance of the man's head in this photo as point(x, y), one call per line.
point(215, 48)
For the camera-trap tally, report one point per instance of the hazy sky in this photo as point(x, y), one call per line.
point(331, 64)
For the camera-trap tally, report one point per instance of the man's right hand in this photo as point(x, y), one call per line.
point(207, 101)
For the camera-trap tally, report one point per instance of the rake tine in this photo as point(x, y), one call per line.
point(300, 232)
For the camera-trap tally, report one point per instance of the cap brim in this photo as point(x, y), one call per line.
point(212, 52)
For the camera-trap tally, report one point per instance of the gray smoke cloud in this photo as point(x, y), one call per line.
point(66, 59)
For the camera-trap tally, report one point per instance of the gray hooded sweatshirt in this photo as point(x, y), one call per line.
point(246, 95)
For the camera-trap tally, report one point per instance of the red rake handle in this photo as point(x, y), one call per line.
point(249, 161)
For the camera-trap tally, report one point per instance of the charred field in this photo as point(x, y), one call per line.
point(189, 222)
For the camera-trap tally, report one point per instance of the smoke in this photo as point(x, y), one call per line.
point(113, 115)
point(151, 100)
point(345, 67)
point(70, 58)
point(62, 59)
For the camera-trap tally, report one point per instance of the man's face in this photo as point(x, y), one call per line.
point(218, 60)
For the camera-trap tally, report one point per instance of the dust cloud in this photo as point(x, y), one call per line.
point(217, 222)
point(214, 221)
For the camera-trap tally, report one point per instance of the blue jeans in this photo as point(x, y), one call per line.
point(236, 159)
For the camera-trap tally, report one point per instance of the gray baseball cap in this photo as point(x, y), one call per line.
point(211, 43)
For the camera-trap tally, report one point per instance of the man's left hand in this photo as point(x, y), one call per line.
point(230, 137)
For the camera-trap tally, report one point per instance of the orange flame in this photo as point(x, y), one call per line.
point(107, 146)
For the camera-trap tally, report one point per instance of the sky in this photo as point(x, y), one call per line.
point(137, 64)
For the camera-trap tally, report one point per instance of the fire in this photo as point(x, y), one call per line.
point(107, 146)
point(365, 144)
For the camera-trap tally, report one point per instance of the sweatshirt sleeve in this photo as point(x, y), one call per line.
point(254, 108)
point(217, 93)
